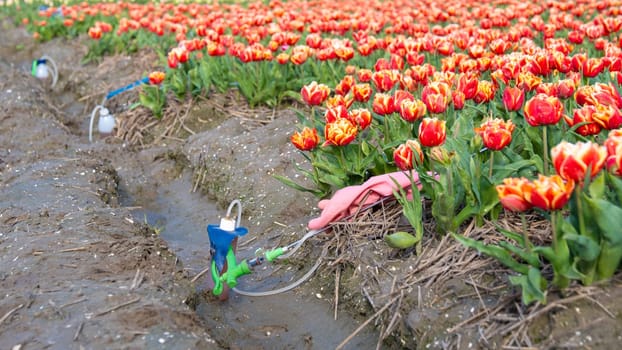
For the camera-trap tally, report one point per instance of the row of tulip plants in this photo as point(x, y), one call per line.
point(503, 105)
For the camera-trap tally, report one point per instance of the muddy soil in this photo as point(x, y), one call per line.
point(100, 242)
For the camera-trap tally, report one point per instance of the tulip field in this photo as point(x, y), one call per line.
point(498, 107)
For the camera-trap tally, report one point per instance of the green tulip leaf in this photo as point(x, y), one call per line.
point(597, 187)
point(532, 285)
point(493, 251)
point(616, 183)
point(584, 247)
point(607, 217)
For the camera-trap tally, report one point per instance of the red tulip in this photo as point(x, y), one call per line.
point(156, 78)
point(513, 98)
point(432, 132)
point(543, 110)
point(572, 161)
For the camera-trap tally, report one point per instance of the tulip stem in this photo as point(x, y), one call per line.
point(580, 210)
point(545, 146)
point(527, 243)
point(554, 229)
point(492, 162)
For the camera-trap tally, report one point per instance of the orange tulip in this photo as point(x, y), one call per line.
point(408, 155)
point(549, 192)
point(156, 78)
point(613, 144)
point(513, 98)
point(305, 140)
point(543, 110)
point(512, 194)
point(432, 132)
point(496, 133)
point(584, 115)
point(95, 33)
point(340, 132)
point(571, 161)
point(314, 94)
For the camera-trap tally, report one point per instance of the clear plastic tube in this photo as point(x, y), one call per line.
point(53, 71)
point(286, 288)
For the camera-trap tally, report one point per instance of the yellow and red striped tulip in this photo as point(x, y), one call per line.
point(361, 92)
point(572, 161)
point(496, 133)
point(607, 116)
point(305, 140)
point(543, 110)
point(613, 144)
point(340, 132)
point(383, 104)
point(584, 115)
point(157, 77)
point(549, 192)
point(513, 98)
point(512, 194)
point(412, 110)
point(432, 132)
point(314, 94)
point(361, 117)
point(407, 155)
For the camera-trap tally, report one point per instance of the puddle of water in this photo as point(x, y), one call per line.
point(292, 320)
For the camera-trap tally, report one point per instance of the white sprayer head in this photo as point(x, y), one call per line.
point(106, 122)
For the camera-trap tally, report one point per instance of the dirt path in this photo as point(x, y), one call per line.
point(77, 271)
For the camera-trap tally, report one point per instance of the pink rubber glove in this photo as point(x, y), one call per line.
point(348, 199)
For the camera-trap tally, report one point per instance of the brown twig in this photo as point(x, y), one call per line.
point(10, 312)
point(116, 307)
point(360, 328)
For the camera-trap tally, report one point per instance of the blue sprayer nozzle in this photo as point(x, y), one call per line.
point(221, 244)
